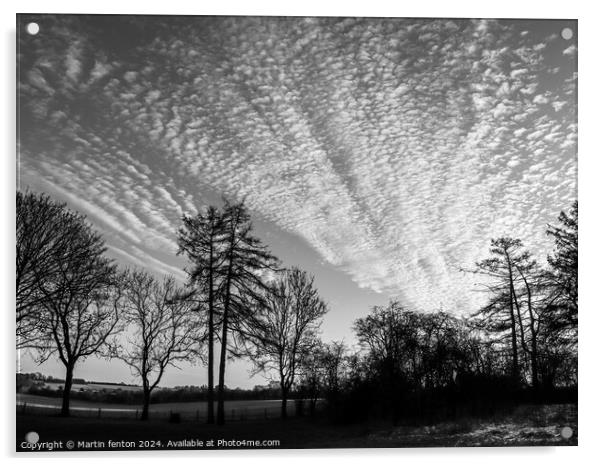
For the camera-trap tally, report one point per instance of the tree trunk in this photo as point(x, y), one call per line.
point(534, 367)
point(224, 347)
point(283, 410)
point(222, 357)
point(210, 382)
point(513, 322)
point(222, 371)
point(145, 404)
point(67, 391)
point(534, 352)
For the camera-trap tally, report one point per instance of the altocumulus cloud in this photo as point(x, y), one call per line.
point(396, 148)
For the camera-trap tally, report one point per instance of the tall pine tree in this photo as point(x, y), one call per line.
point(202, 238)
point(246, 261)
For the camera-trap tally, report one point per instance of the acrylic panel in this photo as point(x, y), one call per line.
point(295, 232)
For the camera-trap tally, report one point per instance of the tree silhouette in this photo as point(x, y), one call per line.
point(44, 230)
point(201, 238)
point(558, 322)
point(312, 373)
point(529, 300)
point(334, 362)
point(411, 353)
point(242, 284)
point(388, 332)
point(323, 371)
point(502, 286)
point(563, 278)
point(80, 298)
point(516, 302)
point(159, 329)
point(282, 333)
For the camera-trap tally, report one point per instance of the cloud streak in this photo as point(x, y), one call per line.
point(395, 148)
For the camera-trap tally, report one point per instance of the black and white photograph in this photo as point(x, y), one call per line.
point(295, 232)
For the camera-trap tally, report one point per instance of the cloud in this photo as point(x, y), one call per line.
point(571, 50)
point(395, 148)
point(72, 62)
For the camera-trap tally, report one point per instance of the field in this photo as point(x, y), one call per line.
point(526, 426)
point(235, 410)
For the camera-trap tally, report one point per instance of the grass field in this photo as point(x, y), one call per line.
point(526, 426)
point(235, 410)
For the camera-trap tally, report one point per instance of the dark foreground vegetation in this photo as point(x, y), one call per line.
point(527, 425)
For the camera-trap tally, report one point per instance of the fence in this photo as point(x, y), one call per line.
point(172, 414)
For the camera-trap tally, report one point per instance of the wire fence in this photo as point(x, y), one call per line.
point(175, 414)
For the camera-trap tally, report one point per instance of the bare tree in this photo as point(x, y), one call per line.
point(281, 335)
point(323, 370)
point(44, 231)
point(410, 350)
point(312, 374)
point(389, 333)
point(333, 360)
point(159, 327)
point(81, 300)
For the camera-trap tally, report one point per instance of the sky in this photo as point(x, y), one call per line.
point(380, 155)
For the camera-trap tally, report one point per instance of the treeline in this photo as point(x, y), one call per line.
point(238, 302)
point(39, 377)
point(26, 381)
point(521, 346)
point(74, 302)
